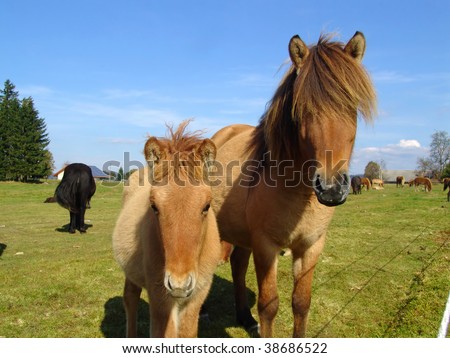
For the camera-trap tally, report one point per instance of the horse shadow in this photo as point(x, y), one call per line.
point(65, 228)
point(2, 248)
point(217, 313)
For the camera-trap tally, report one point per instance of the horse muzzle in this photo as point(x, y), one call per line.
point(179, 287)
point(331, 194)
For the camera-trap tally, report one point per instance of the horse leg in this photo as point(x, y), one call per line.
point(189, 315)
point(239, 264)
point(188, 318)
point(265, 257)
point(82, 227)
point(304, 262)
point(73, 222)
point(164, 318)
point(131, 296)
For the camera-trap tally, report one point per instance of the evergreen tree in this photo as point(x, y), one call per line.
point(23, 138)
point(9, 119)
point(33, 154)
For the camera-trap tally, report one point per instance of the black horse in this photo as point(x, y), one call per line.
point(356, 185)
point(75, 192)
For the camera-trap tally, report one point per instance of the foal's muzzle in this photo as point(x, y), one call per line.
point(179, 287)
point(331, 194)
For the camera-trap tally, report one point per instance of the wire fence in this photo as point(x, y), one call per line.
point(380, 270)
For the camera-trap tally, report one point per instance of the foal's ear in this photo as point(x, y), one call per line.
point(153, 151)
point(356, 46)
point(207, 151)
point(298, 51)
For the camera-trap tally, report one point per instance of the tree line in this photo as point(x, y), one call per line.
point(24, 141)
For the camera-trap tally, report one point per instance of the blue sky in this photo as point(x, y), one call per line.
point(105, 74)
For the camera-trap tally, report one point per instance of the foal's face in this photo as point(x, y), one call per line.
point(180, 211)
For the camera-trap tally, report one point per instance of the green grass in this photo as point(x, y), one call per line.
point(385, 270)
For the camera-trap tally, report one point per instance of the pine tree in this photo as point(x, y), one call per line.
point(34, 157)
point(9, 118)
point(23, 138)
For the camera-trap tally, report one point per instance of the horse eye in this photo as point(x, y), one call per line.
point(206, 208)
point(155, 209)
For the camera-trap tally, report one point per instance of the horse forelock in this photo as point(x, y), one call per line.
point(180, 158)
point(329, 86)
point(331, 82)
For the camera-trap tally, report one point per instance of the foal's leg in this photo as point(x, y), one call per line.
point(164, 315)
point(304, 263)
point(266, 262)
point(131, 296)
point(239, 264)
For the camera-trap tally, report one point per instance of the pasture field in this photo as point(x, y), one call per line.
point(385, 270)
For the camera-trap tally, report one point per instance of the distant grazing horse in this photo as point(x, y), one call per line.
point(366, 182)
point(421, 181)
point(75, 192)
point(356, 185)
point(377, 184)
point(400, 180)
point(280, 181)
point(447, 185)
point(166, 237)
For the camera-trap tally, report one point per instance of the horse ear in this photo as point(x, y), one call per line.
point(356, 46)
point(153, 151)
point(298, 51)
point(207, 152)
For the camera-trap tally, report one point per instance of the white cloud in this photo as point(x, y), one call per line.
point(408, 143)
point(401, 155)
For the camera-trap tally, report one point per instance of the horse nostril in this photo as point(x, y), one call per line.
point(318, 185)
point(179, 288)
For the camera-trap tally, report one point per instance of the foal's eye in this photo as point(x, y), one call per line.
point(205, 209)
point(155, 209)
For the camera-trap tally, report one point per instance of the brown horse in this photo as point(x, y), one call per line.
point(400, 180)
point(447, 185)
point(166, 237)
point(421, 181)
point(281, 180)
point(366, 182)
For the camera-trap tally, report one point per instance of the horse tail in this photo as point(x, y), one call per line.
point(86, 188)
point(67, 193)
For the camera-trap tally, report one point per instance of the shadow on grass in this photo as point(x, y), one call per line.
point(65, 228)
point(217, 313)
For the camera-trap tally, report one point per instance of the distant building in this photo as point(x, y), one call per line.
point(96, 173)
point(390, 176)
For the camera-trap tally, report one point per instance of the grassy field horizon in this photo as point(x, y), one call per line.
point(384, 272)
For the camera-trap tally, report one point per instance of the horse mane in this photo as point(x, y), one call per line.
point(330, 82)
point(180, 159)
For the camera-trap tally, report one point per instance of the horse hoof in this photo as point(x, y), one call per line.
point(248, 322)
point(72, 231)
point(254, 331)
